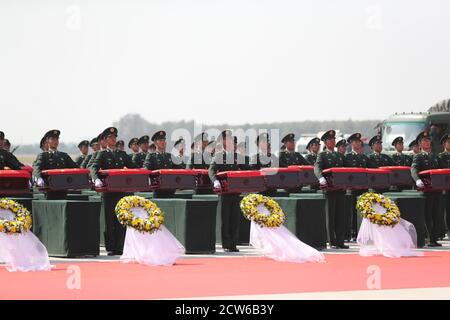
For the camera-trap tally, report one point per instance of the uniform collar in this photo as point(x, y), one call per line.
point(52, 151)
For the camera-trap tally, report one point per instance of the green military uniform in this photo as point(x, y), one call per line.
point(8, 160)
point(335, 199)
point(111, 159)
point(199, 159)
point(264, 160)
point(311, 157)
point(399, 158)
point(444, 163)
point(52, 159)
point(380, 160)
point(291, 158)
point(157, 161)
point(138, 158)
point(433, 210)
point(228, 206)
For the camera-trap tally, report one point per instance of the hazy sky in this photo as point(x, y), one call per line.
point(80, 65)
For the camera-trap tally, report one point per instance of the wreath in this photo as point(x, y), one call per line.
point(367, 206)
point(126, 216)
point(22, 221)
point(251, 205)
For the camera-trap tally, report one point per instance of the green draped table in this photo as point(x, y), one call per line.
point(68, 228)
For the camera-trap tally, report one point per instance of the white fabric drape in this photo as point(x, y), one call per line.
point(280, 244)
point(160, 248)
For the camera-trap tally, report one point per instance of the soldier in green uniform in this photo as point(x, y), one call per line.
point(399, 158)
point(103, 145)
point(228, 206)
point(111, 158)
point(377, 158)
point(83, 146)
point(95, 146)
point(444, 163)
point(199, 159)
point(243, 158)
point(354, 159)
point(414, 147)
point(426, 160)
point(264, 158)
point(52, 159)
point(7, 147)
point(160, 159)
point(7, 160)
point(341, 146)
point(334, 199)
point(133, 146)
point(289, 157)
point(139, 158)
point(313, 147)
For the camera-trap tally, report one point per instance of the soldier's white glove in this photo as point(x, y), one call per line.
point(217, 184)
point(420, 184)
point(98, 183)
point(323, 181)
point(30, 185)
point(40, 182)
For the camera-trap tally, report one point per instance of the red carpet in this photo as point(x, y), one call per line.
point(225, 276)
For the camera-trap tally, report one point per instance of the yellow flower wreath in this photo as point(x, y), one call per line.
point(365, 206)
point(249, 208)
point(22, 222)
point(126, 217)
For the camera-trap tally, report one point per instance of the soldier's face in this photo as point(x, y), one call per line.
point(111, 140)
point(330, 143)
point(342, 149)
point(84, 149)
point(145, 147)
point(356, 145)
point(53, 143)
point(161, 144)
point(45, 146)
point(103, 143)
point(399, 146)
point(290, 145)
point(315, 147)
point(447, 145)
point(416, 148)
point(425, 144)
point(96, 146)
point(377, 147)
point(134, 147)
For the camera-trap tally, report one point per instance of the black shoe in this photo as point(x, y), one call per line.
point(434, 244)
point(110, 253)
point(231, 250)
point(342, 246)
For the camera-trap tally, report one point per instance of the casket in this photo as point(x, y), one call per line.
point(124, 180)
point(400, 176)
point(378, 178)
point(436, 179)
point(14, 182)
point(173, 179)
point(282, 178)
point(235, 182)
point(307, 176)
point(65, 179)
point(346, 178)
point(202, 180)
point(28, 169)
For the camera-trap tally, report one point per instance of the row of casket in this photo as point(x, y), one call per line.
point(135, 180)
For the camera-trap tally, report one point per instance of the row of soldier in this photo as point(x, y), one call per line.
point(109, 154)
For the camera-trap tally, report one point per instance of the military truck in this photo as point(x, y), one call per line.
point(409, 125)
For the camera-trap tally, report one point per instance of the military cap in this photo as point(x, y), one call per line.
point(313, 140)
point(374, 140)
point(341, 142)
point(413, 143)
point(288, 137)
point(263, 137)
point(354, 137)
point(2, 135)
point(226, 133)
point(179, 141)
point(330, 134)
point(93, 141)
point(143, 139)
point(132, 141)
point(152, 146)
point(120, 143)
point(109, 131)
point(41, 144)
point(444, 138)
point(159, 135)
point(423, 135)
point(397, 140)
point(201, 137)
point(83, 143)
point(53, 134)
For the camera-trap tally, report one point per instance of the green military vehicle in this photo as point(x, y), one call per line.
point(409, 125)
